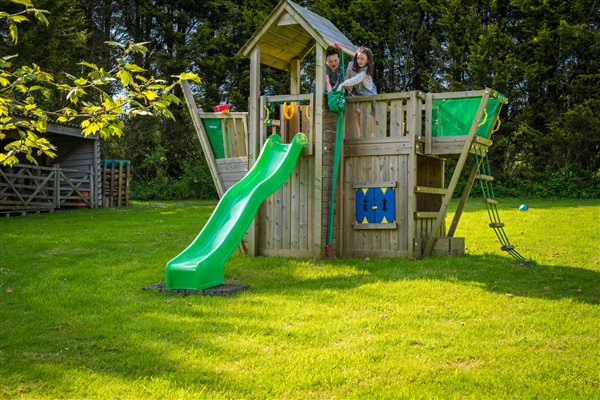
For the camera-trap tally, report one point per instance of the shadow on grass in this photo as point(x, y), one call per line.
point(492, 272)
point(187, 342)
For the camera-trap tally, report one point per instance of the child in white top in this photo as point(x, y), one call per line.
point(359, 80)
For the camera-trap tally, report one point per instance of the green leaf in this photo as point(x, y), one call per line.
point(150, 95)
point(26, 3)
point(125, 77)
point(139, 48)
point(189, 76)
point(13, 32)
point(115, 44)
point(80, 81)
point(18, 18)
point(134, 68)
point(89, 65)
point(168, 114)
point(39, 14)
point(91, 129)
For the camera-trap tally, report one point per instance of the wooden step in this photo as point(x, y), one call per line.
point(430, 190)
point(484, 177)
point(490, 201)
point(496, 225)
point(507, 247)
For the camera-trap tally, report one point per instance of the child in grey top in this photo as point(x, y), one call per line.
point(359, 80)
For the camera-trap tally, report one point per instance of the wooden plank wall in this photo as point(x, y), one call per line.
point(379, 150)
point(285, 218)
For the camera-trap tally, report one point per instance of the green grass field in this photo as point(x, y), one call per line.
point(75, 323)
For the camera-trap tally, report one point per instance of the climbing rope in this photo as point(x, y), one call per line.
point(339, 141)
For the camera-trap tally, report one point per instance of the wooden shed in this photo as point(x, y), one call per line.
point(391, 196)
point(71, 179)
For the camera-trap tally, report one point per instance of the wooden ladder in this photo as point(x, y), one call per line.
point(481, 171)
point(487, 188)
point(460, 164)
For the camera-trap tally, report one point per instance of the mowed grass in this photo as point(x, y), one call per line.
point(76, 324)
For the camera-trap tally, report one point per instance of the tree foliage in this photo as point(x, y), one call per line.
point(96, 99)
point(543, 55)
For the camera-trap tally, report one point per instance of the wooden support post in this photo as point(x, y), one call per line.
point(317, 194)
point(253, 135)
point(295, 76)
point(457, 172)
point(428, 117)
point(120, 185)
point(56, 199)
point(127, 182)
point(104, 185)
point(413, 117)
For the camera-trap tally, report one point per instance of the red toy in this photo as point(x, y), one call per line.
point(222, 108)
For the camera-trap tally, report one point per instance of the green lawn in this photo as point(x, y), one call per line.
point(74, 322)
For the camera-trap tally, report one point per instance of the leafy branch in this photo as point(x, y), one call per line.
point(98, 100)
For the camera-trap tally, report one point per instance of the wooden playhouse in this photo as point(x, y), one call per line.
point(391, 196)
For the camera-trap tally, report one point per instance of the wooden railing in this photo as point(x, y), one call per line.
point(299, 121)
point(29, 187)
point(385, 115)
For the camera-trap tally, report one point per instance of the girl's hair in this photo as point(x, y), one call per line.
point(366, 51)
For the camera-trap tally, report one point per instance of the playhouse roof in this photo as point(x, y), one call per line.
point(290, 32)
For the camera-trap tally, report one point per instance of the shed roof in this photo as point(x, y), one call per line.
point(290, 32)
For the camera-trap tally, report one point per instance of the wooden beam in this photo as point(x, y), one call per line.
point(458, 95)
point(295, 76)
point(253, 133)
point(428, 116)
point(413, 116)
point(429, 190)
point(463, 200)
point(317, 198)
point(202, 136)
point(288, 98)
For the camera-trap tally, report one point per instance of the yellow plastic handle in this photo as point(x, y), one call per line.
point(286, 110)
point(268, 115)
point(497, 126)
point(484, 119)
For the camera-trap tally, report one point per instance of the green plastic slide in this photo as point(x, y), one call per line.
point(201, 264)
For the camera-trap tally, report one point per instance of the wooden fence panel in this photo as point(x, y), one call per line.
point(35, 188)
